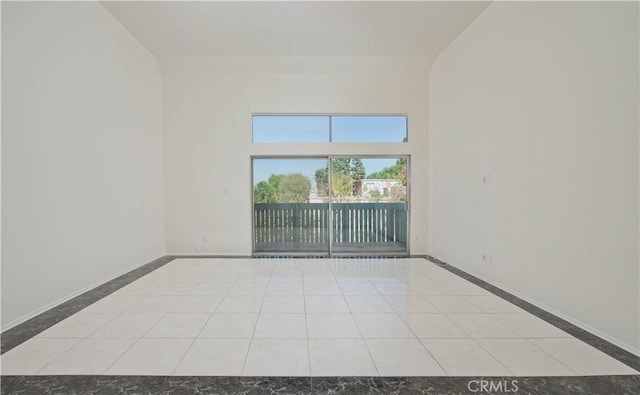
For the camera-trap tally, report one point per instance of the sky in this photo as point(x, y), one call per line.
point(315, 128)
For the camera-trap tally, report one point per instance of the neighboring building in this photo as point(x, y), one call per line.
point(382, 187)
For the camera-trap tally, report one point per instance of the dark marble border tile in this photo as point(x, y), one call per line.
point(20, 333)
point(153, 385)
point(606, 347)
point(96, 385)
point(605, 385)
point(301, 385)
point(30, 328)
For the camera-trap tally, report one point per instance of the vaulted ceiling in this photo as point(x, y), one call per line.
point(295, 28)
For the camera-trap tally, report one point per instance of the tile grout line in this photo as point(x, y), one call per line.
point(375, 366)
point(169, 258)
point(203, 326)
point(15, 331)
point(417, 338)
point(121, 313)
point(244, 363)
point(475, 339)
point(552, 357)
point(573, 330)
point(455, 324)
point(351, 313)
point(163, 315)
point(80, 340)
point(496, 358)
point(306, 324)
point(468, 337)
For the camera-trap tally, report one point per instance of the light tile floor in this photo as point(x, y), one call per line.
point(301, 317)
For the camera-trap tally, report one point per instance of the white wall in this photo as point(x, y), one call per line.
point(544, 98)
point(208, 105)
point(81, 153)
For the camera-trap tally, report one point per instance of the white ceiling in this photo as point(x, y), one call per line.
point(308, 28)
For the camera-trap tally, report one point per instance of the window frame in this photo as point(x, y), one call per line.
point(330, 118)
point(330, 157)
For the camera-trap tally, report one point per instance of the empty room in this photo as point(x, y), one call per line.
point(320, 197)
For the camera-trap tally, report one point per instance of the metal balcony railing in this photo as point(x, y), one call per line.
point(305, 226)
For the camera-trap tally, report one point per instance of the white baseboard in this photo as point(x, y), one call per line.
point(72, 295)
point(578, 323)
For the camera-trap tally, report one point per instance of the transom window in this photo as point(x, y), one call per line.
point(329, 128)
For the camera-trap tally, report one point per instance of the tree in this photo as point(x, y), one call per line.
point(341, 166)
point(294, 188)
point(357, 173)
point(346, 178)
point(283, 188)
point(341, 185)
point(357, 170)
point(264, 192)
point(322, 181)
point(396, 172)
point(275, 179)
point(402, 176)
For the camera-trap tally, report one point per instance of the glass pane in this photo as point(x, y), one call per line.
point(369, 205)
point(369, 128)
point(290, 128)
point(290, 212)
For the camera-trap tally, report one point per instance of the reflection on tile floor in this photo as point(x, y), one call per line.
point(301, 317)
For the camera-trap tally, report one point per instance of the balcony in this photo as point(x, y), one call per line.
point(361, 228)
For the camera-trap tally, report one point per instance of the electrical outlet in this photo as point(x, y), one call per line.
point(486, 258)
point(486, 179)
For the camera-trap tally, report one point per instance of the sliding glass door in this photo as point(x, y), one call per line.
point(330, 205)
point(288, 214)
point(368, 205)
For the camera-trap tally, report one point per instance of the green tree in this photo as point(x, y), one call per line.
point(396, 172)
point(341, 185)
point(402, 176)
point(275, 179)
point(322, 181)
point(357, 169)
point(341, 166)
point(283, 188)
point(294, 188)
point(357, 174)
point(264, 192)
point(347, 166)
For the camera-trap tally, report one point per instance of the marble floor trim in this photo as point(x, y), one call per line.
point(32, 327)
point(20, 333)
point(594, 341)
point(153, 385)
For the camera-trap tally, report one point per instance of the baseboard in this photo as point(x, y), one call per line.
point(301, 255)
point(72, 295)
point(576, 322)
point(203, 255)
